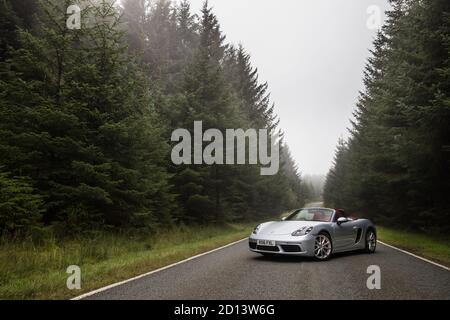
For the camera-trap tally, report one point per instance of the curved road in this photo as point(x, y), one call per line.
point(236, 273)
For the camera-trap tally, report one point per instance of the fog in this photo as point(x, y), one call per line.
point(312, 53)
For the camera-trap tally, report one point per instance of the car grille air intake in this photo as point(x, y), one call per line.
point(290, 248)
point(268, 248)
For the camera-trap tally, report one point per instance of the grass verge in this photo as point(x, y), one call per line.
point(28, 271)
point(435, 248)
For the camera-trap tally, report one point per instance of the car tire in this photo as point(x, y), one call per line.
point(371, 241)
point(323, 247)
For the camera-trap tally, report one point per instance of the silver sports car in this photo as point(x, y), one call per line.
point(314, 232)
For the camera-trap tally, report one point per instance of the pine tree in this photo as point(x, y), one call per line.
point(135, 19)
point(253, 94)
point(207, 97)
point(78, 120)
point(20, 208)
point(397, 164)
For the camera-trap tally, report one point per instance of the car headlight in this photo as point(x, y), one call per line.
point(302, 231)
point(255, 231)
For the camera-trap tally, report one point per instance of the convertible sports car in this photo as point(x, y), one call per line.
point(314, 232)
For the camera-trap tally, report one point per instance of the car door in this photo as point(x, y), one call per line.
point(344, 234)
point(348, 232)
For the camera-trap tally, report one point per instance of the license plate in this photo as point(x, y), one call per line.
point(270, 243)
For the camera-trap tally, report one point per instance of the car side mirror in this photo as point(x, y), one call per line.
point(342, 220)
point(283, 218)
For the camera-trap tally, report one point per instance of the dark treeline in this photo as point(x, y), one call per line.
point(395, 167)
point(86, 117)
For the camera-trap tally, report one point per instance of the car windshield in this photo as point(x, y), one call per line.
point(323, 215)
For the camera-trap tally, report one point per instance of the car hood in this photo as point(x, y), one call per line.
point(285, 227)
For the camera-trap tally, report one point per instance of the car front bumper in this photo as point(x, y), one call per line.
point(284, 245)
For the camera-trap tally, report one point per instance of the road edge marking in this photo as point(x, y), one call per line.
point(414, 255)
point(91, 293)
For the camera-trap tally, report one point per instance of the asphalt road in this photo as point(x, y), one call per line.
point(236, 273)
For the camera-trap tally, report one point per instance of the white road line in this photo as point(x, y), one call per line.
point(415, 256)
point(154, 271)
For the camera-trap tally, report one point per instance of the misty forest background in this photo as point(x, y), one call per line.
point(86, 117)
point(395, 167)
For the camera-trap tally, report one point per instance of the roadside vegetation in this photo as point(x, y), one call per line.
point(435, 248)
point(38, 271)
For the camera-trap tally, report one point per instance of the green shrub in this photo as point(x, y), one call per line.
point(20, 208)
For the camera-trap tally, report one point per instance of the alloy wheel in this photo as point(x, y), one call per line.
point(371, 241)
point(322, 247)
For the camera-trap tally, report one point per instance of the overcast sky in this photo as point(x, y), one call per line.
point(312, 53)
